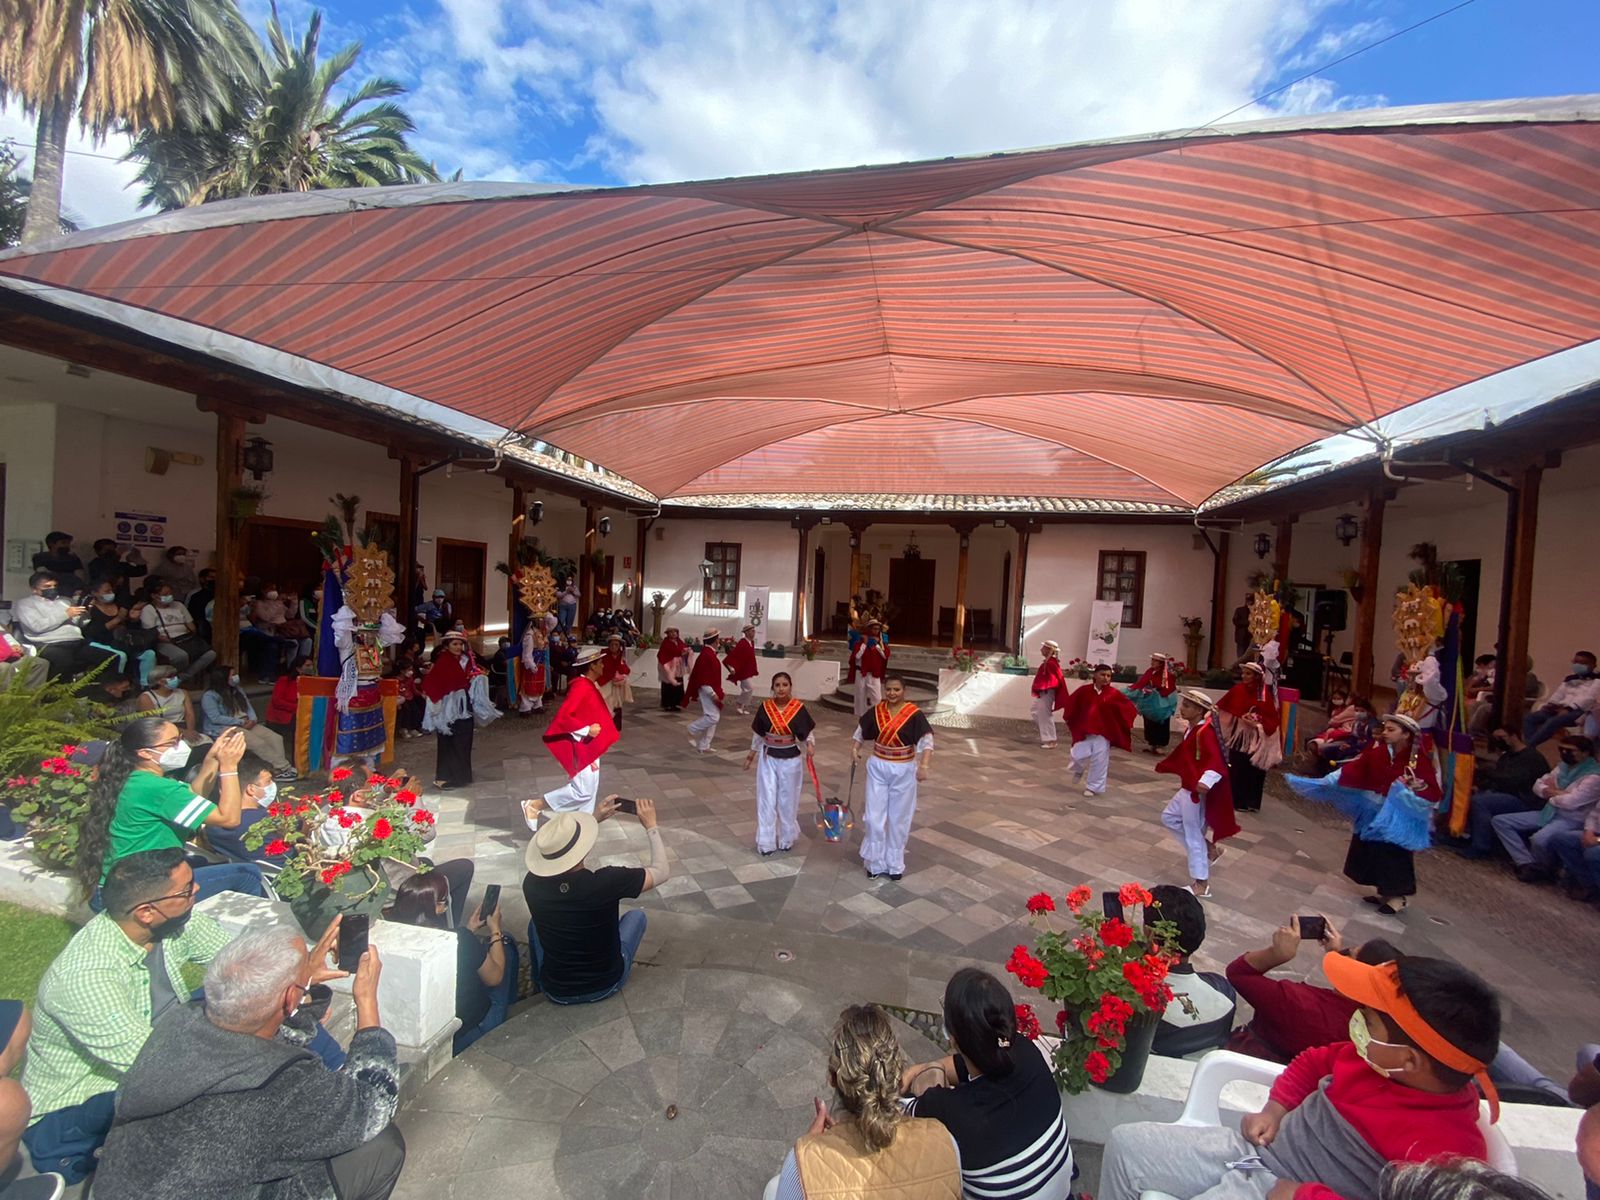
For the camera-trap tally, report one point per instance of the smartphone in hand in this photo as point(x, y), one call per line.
point(353, 928)
point(1312, 929)
point(631, 807)
point(491, 899)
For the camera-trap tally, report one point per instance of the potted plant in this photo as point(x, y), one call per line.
point(658, 605)
point(53, 804)
point(771, 649)
point(965, 661)
point(1015, 664)
point(810, 647)
point(1081, 667)
point(1124, 672)
point(1108, 982)
point(382, 822)
point(245, 501)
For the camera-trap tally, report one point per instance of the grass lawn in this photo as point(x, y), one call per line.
point(29, 941)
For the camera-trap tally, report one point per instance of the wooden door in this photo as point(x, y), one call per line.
point(819, 593)
point(911, 599)
point(280, 550)
point(459, 570)
point(602, 582)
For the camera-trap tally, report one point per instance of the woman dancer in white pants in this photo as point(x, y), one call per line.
point(899, 733)
point(784, 741)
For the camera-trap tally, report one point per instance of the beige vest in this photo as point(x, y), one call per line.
point(920, 1164)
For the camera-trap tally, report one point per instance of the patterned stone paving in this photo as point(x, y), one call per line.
point(747, 960)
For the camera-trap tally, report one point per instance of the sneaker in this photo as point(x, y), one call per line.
point(1088, 792)
point(287, 775)
point(765, 853)
point(48, 1186)
point(897, 876)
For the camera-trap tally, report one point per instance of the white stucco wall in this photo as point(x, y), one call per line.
point(1062, 567)
point(28, 449)
point(769, 556)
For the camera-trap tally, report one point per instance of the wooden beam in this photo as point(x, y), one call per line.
point(586, 565)
point(1511, 669)
point(800, 583)
point(406, 551)
point(1362, 667)
point(519, 517)
point(963, 541)
point(1219, 601)
point(230, 573)
point(644, 524)
point(1019, 582)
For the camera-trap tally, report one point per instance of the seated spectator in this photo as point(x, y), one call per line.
point(177, 642)
point(1573, 700)
point(996, 1096)
point(1201, 1013)
point(15, 1109)
point(134, 807)
point(407, 673)
point(223, 706)
point(296, 625)
point(98, 1000)
point(1459, 1179)
point(486, 975)
point(875, 1149)
point(582, 951)
point(199, 602)
point(1569, 792)
point(111, 560)
point(278, 650)
point(49, 622)
point(257, 789)
point(1349, 732)
point(14, 659)
point(166, 697)
point(1578, 852)
point(107, 627)
point(283, 709)
point(441, 613)
point(500, 673)
point(58, 560)
point(176, 568)
point(1506, 787)
point(1399, 1089)
point(218, 1105)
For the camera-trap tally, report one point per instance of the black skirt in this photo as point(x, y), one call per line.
point(671, 696)
point(1157, 733)
point(455, 754)
point(1382, 866)
point(1247, 780)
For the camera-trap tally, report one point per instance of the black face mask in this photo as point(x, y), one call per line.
point(172, 926)
point(50, 593)
point(1499, 745)
point(1571, 757)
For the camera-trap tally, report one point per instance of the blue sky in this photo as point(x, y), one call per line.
point(625, 91)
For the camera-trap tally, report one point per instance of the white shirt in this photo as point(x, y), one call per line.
point(173, 619)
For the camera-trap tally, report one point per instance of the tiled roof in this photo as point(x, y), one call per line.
point(928, 502)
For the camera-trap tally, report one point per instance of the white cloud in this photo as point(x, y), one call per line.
point(96, 186)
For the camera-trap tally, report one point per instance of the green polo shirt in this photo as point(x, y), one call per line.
point(92, 1014)
point(154, 813)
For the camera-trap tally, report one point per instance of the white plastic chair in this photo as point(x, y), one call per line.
point(1222, 1067)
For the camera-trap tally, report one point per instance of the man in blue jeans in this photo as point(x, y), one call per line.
point(1506, 787)
point(582, 949)
point(1573, 700)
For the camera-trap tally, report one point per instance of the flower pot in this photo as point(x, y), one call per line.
point(352, 893)
point(1016, 671)
point(1141, 1035)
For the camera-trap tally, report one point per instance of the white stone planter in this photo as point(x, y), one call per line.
point(813, 679)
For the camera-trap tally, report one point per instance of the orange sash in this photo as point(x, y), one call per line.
point(780, 735)
point(889, 746)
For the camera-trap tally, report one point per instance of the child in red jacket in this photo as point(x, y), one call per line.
point(1400, 1090)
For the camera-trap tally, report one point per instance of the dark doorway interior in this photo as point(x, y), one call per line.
point(459, 568)
point(1471, 571)
point(911, 599)
point(602, 582)
point(279, 550)
point(819, 564)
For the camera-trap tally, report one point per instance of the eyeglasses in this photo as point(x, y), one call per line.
point(188, 893)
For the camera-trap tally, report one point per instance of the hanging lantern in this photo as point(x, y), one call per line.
point(535, 512)
point(604, 526)
point(256, 457)
point(1263, 545)
point(1346, 529)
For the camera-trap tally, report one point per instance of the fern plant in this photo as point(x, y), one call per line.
point(36, 722)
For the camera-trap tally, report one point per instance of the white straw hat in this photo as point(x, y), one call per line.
point(562, 841)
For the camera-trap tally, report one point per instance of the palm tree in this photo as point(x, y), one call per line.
point(130, 65)
point(287, 133)
point(15, 192)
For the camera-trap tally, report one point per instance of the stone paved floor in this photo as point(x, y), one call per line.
point(747, 960)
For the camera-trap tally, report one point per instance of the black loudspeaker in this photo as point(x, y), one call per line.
point(1332, 611)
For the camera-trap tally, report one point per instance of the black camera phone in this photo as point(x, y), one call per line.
point(352, 940)
point(631, 807)
point(1111, 905)
point(1312, 929)
point(491, 899)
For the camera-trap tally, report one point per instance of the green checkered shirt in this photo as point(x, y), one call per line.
point(92, 1014)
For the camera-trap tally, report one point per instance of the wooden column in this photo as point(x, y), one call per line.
point(1362, 667)
point(1220, 635)
point(225, 606)
point(1282, 542)
point(804, 530)
point(638, 571)
point(586, 565)
point(406, 551)
point(519, 520)
point(1018, 583)
point(964, 540)
point(857, 532)
point(1512, 669)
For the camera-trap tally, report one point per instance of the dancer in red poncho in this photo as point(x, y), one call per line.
point(741, 667)
point(1248, 716)
point(1098, 717)
point(1152, 695)
point(1049, 694)
point(456, 699)
point(1203, 797)
point(613, 681)
point(705, 687)
point(579, 733)
point(871, 662)
point(672, 668)
point(1403, 752)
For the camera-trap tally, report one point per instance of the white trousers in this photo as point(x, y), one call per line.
point(778, 785)
point(1187, 820)
point(886, 816)
point(1092, 754)
point(747, 691)
point(703, 729)
point(869, 691)
point(579, 793)
point(1044, 716)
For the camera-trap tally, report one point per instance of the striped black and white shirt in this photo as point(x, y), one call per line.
point(1010, 1132)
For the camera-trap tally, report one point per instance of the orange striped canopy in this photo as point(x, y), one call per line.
point(1132, 322)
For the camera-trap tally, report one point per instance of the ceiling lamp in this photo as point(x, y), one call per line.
point(1346, 528)
point(1263, 545)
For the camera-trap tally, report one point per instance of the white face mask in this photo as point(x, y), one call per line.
point(180, 558)
point(233, 681)
point(163, 599)
point(107, 597)
point(174, 757)
point(272, 595)
point(171, 681)
point(269, 793)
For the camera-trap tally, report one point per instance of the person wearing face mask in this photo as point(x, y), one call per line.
point(224, 706)
point(177, 568)
point(165, 697)
point(176, 640)
point(47, 620)
point(451, 710)
point(134, 807)
point(1569, 793)
point(106, 627)
point(1505, 787)
point(268, 614)
point(1399, 1090)
point(1574, 700)
point(258, 790)
point(486, 973)
point(223, 1103)
point(99, 998)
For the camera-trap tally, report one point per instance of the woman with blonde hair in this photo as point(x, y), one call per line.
point(874, 1149)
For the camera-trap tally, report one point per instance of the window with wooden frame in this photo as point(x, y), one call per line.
point(1122, 578)
point(722, 583)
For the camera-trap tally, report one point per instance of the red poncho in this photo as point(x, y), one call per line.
point(672, 648)
point(615, 663)
point(1050, 676)
point(707, 672)
point(582, 708)
point(1249, 696)
point(1160, 679)
point(1376, 769)
point(1201, 751)
point(447, 675)
point(1109, 714)
point(741, 661)
point(873, 659)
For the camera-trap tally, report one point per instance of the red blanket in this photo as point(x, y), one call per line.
point(1050, 676)
point(614, 663)
point(707, 672)
point(447, 675)
point(1109, 714)
point(741, 661)
point(1246, 696)
point(1201, 751)
point(671, 648)
point(582, 708)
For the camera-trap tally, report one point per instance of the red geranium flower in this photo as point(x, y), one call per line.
point(276, 846)
point(1098, 1067)
point(69, 751)
point(340, 774)
point(1042, 903)
point(1061, 1022)
point(1131, 894)
point(381, 829)
point(1030, 972)
point(422, 817)
point(348, 820)
point(379, 780)
point(407, 797)
point(1117, 933)
point(1027, 1022)
point(1078, 897)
